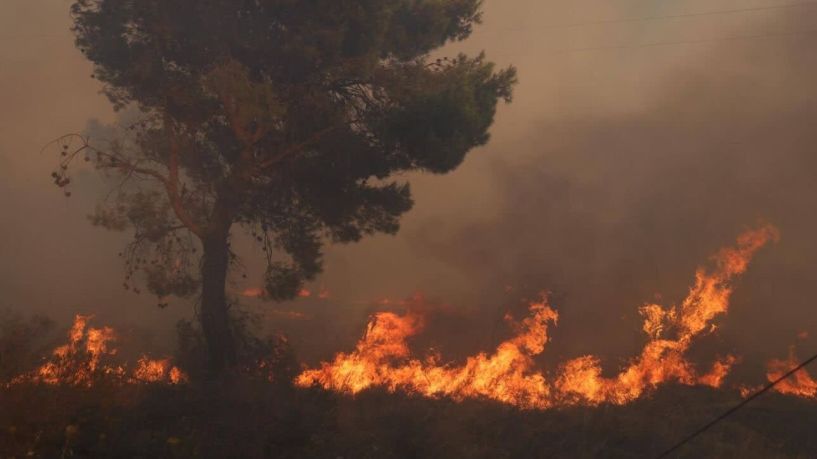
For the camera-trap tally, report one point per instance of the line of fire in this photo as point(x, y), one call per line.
point(408, 229)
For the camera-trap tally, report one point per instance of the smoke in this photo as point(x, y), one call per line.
point(613, 174)
point(612, 210)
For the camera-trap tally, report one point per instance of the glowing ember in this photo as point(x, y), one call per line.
point(800, 384)
point(382, 357)
point(260, 293)
point(82, 361)
point(253, 293)
point(154, 371)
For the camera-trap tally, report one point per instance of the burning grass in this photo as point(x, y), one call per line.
point(82, 400)
point(382, 357)
point(800, 384)
point(86, 359)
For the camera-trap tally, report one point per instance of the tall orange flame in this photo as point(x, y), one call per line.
point(382, 357)
point(662, 358)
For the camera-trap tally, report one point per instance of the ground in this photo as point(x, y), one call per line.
point(253, 418)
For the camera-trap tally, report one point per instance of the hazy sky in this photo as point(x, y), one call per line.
point(633, 149)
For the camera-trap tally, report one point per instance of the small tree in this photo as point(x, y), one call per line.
point(289, 118)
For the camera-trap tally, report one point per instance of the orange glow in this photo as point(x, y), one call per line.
point(292, 315)
point(85, 359)
point(800, 384)
point(671, 332)
point(78, 361)
point(154, 371)
point(382, 357)
point(253, 293)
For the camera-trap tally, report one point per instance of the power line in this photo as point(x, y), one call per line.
point(690, 42)
point(736, 407)
point(623, 20)
point(663, 17)
point(29, 37)
point(662, 43)
point(577, 24)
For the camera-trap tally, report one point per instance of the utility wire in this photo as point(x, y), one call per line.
point(688, 42)
point(29, 37)
point(662, 17)
point(577, 24)
point(555, 52)
point(736, 407)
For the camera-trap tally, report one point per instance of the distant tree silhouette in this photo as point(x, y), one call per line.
point(289, 118)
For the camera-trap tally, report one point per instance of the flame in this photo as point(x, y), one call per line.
point(800, 384)
point(502, 375)
point(662, 358)
point(154, 371)
point(78, 361)
point(382, 357)
point(84, 360)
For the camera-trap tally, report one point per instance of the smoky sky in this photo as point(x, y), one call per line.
point(633, 150)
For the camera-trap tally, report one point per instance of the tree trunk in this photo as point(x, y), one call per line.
point(215, 321)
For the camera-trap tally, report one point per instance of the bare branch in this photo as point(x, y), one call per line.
point(129, 169)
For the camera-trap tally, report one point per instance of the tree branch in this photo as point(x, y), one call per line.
point(115, 161)
point(247, 137)
point(170, 182)
point(296, 148)
point(172, 186)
